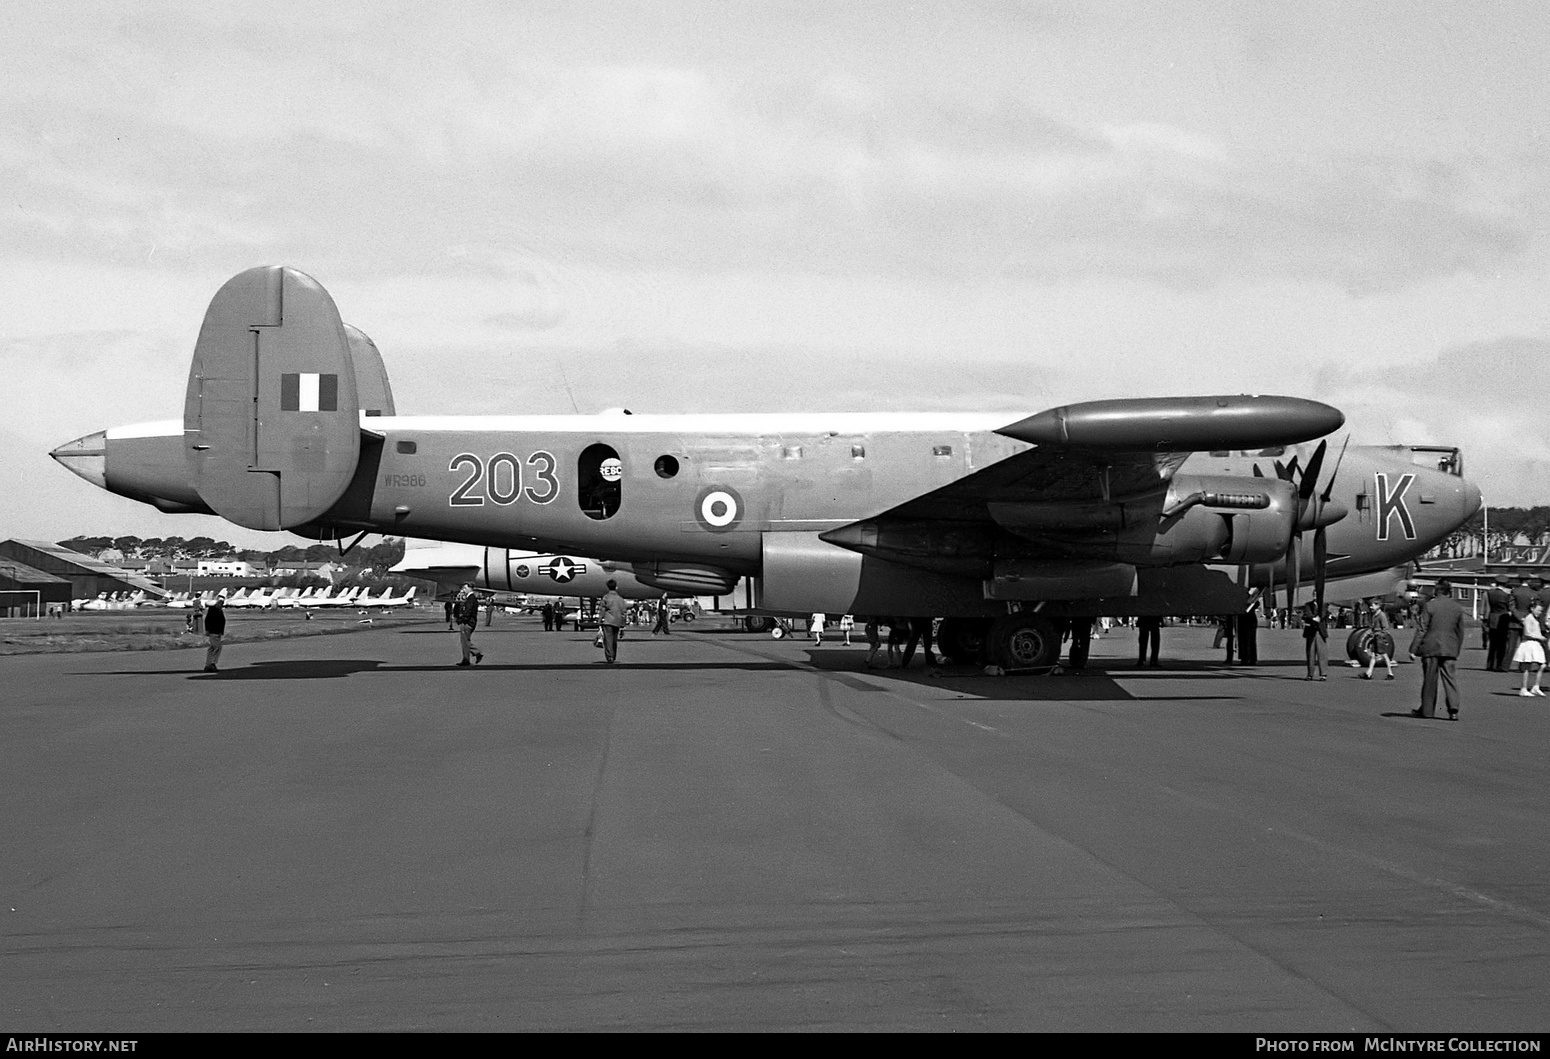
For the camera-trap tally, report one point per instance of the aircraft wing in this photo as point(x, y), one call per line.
point(1094, 471)
point(1047, 475)
point(1106, 451)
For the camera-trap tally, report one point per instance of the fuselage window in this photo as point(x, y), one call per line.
point(599, 473)
point(666, 466)
point(407, 448)
point(941, 450)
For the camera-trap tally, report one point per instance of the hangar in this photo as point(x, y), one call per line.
point(29, 593)
point(88, 577)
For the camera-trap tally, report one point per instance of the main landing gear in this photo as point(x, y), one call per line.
point(1013, 642)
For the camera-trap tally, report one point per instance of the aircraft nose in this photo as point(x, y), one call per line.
point(87, 457)
point(1472, 500)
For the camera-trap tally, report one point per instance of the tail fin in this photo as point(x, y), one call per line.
point(271, 422)
point(371, 379)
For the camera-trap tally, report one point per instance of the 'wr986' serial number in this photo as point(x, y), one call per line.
point(403, 481)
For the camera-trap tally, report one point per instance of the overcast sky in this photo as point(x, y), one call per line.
point(701, 207)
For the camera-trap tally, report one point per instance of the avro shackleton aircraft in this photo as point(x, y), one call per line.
point(997, 524)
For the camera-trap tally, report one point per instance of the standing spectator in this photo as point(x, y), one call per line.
point(199, 616)
point(548, 613)
point(1531, 649)
point(1248, 636)
point(1314, 637)
point(215, 632)
point(449, 614)
point(898, 632)
point(611, 613)
point(815, 625)
point(1381, 646)
point(1522, 599)
point(1148, 639)
point(920, 630)
point(1081, 642)
point(662, 618)
point(1498, 612)
point(1227, 635)
point(1439, 637)
point(874, 639)
point(465, 612)
point(847, 623)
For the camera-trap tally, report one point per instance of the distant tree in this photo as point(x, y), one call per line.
point(126, 545)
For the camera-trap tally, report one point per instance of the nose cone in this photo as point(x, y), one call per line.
point(87, 457)
point(1471, 499)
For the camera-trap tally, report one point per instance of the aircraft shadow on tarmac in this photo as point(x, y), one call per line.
point(1092, 684)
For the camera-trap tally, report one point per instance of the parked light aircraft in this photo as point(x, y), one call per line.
point(997, 523)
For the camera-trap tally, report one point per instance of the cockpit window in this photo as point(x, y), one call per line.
point(1446, 460)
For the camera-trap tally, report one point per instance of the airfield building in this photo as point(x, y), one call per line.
point(28, 593)
point(88, 578)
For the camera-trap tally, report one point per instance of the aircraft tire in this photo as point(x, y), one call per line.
point(1025, 641)
point(961, 640)
point(1356, 645)
point(778, 633)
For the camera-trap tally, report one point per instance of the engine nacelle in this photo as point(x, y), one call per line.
point(688, 579)
point(1221, 518)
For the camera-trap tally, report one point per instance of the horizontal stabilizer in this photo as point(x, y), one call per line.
point(1179, 424)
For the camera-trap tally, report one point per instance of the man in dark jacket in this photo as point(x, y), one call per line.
point(465, 611)
point(1498, 611)
point(611, 618)
point(1439, 638)
point(215, 632)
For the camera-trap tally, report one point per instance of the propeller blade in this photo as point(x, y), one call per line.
point(1310, 474)
point(1320, 558)
point(1293, 571)
point(1330, 488)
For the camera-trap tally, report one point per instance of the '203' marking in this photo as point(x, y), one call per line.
point(500, 479)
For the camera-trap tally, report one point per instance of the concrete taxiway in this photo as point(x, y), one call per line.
point(731, 832)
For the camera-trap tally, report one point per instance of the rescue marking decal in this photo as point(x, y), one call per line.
point(1393, 503)
point(719, 510)
point(499, 479)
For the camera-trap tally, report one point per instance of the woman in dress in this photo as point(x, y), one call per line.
point(1530, 655)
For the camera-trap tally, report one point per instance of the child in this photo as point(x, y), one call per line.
point(1382, 643)
point(1530, 655)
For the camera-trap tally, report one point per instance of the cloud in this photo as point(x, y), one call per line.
point(1478, 397)
point(224, 145)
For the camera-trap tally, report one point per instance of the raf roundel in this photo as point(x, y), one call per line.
point(719, 510)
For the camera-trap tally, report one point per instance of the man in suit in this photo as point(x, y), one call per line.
point(1498, 609)
point(1439, 638)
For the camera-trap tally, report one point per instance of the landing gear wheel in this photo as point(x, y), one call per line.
point(1025, 641)
point(1359, 645)
point(961, 640)
point(778, 633)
